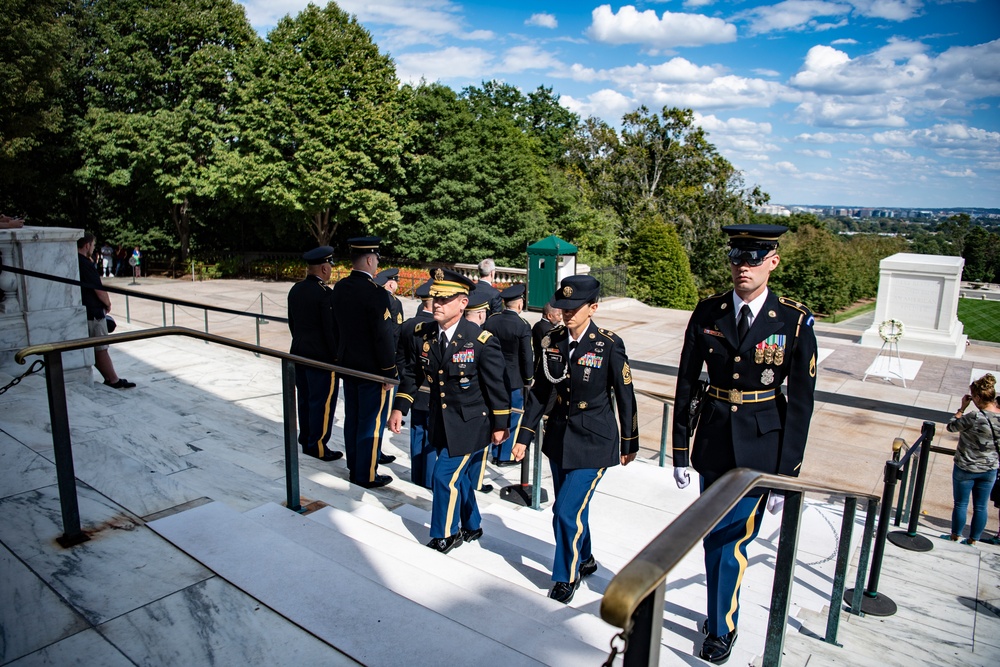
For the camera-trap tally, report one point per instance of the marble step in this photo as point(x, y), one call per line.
point(541, 627)
point(360, 617)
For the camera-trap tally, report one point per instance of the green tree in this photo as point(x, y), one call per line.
point(39, 45)
point(320, 131)
point(159, 95)
point(475, 182)
point(659, 273)
point(814, 270)
point(954, 230)
point(981, 254)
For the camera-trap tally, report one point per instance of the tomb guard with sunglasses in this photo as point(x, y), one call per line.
point(748, 420)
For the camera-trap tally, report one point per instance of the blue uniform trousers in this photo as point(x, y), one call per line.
point(726, 561)
point(454, 506)
point(502, 451)
point(477, 468)
point(364, 405)
point(570, 518)
point(316, 395)
point(422, 452)
point(386, 409)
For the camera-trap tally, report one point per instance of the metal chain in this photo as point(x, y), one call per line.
point(36, 366)
point(615, 650)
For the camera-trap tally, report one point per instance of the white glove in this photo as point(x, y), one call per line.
point(682, 477)
point(775, 502)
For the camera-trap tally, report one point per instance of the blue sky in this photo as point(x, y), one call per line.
point(853, 102)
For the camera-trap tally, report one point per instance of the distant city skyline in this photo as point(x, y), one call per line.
point(885, 102)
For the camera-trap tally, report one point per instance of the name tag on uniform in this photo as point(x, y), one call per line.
point(712, 332)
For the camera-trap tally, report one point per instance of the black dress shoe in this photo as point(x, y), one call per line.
point(588, 567)
point(716, 649)
point(485, 488)
point(504, 464)
point(563, 592)
point(471, 535)
point(328, 454)
point(445, 544)
point(380, 480)
point(385, 459)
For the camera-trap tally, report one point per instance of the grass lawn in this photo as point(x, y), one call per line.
point(981, 319)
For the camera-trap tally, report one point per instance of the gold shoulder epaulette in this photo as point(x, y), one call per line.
point(608, 333)
point(801, 307)
point(417, 329)
point(484, 336)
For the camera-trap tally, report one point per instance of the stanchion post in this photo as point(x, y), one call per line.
point(536, 489)
point(873, 602)
point(291, 450)
point(128, 318)
point(909, 539)
point(62, 451)
point(664, 430)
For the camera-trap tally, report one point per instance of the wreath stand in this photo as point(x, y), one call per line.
point(890, 332)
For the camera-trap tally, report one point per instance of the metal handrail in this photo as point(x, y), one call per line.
point(668, 402)
point(644, 577)
point(112, 339)
point(58, 413)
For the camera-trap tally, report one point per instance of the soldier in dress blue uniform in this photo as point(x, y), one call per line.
point(752, 341)
point(514, 334)
point(388, 279)
point(310, 319)
point(587, 369)
point(469, 405)
point(477, 311)
point(364, 332)
point(422, 453)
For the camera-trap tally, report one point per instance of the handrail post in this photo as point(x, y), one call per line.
point(857, 593)
point(62, 448)
point(292, 499)
point(784, 574)
point(647, 629)
point(873, 602)
point(536, 489)
point(840, 570)
point(664, 430)
point(206, 323)
point(163, 305)
point(256, 322)
point(128, 318)
point(909, 540)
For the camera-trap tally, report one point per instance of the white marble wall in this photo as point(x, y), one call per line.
point(35, 310)
point(922, 292)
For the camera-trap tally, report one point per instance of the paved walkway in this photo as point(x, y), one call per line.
point(852, 429)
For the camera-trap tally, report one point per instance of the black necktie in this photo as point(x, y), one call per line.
point(743, 326)
point(443, 342)
point(572, 348)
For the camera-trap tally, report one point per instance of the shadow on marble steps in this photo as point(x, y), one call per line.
point(376, 604)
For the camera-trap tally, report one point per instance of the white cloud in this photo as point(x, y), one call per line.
point(794, 15)
point(897, 81)
point(449, 63)
point(846, 40)
point(675, 70)
point(894, 10)
point(695, 4)
point(738, 138)
point(831, 138)
point(542, 21)
point(722, 92)
point(630, 26)
point(605, 103)
point(967, 173)
point(808, 152)
point(521, 58)
point(766, 72)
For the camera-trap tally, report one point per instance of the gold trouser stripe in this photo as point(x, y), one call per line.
point(579, 525)
point(482, 467)
point(453, 492)
point(321, 450)
point(375, 438)
point(751, 521)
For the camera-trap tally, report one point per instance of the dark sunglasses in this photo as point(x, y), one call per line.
point(755, 257)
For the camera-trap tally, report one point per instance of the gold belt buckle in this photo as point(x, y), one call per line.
point(735, 396)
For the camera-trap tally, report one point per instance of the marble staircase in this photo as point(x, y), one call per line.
point(194, 561)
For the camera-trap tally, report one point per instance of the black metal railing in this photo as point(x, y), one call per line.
point(613, 279)
point(634, 599)
point(58, 413)
point(668, 403)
